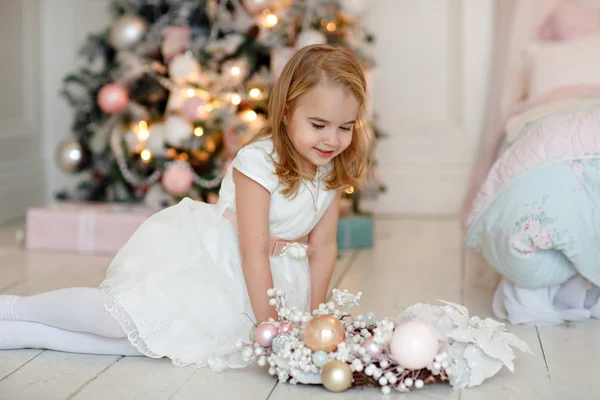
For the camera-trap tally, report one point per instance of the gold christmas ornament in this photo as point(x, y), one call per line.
point(324, 333)
point(336, 376)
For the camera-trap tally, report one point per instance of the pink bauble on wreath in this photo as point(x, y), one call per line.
point(113, 98)
point(177, 179)
point(265, 333)
point(372, 348)
point(414, 345)
point(285, 327)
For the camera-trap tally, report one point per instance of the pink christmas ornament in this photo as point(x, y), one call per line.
point(176, 40)
point(371, 347)
point(193, 109)
point(414, 345)
point(265, 333)
point(113, 98)
point(280, 57)
point(177, 179)
point(285, 327)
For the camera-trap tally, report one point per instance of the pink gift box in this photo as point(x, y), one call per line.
point(83, 228)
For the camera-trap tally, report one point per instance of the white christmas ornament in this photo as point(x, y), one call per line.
point(414, 345)
point(157, 198)
point(126, 31)
point(178, 130)
point(310, 37)
point(255, 6)
point(352, 9)
point(184, 68)
point(156, 140)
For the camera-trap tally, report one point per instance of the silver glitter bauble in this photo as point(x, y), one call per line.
point(279, 343)
point(126, 31)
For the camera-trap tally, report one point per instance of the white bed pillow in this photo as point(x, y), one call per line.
point(559, 64)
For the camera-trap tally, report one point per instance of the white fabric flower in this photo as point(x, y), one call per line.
point(295, 250)
point(479, 348)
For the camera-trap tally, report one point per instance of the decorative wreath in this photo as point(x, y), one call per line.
point(425, 344)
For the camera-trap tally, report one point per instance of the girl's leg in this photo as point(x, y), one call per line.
point(23, 334)
point(72, 309)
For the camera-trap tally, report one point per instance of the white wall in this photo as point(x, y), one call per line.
point(65, 25)
point(429, 92)
point(21, 167)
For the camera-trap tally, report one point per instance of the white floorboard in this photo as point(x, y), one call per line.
point(479, 284)
point(136, 378)
point(414, 260)
point(53, 376)
point(12, 360)
point(572, 352)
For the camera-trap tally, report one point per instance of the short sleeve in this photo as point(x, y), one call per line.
point(256, 163)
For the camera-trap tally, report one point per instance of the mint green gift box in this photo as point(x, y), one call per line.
point(355, 232)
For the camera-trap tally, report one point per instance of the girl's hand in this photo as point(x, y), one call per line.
point(324, 239)
point(252, 210)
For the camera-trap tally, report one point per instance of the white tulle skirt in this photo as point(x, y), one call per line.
point(574, 300)
point(177, 287)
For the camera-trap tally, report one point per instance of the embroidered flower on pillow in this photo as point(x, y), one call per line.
point(536, 231)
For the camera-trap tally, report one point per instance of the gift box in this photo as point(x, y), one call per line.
point(355, 232)
point(83, 228)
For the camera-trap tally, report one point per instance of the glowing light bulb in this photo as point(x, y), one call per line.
point(236, 99)
point(235, 71)
point(191, 92)
point(271, 20)
point(199, 131)
point(210, 146)
point(143, 131)
point(254, 93)
point(331, 26)
point(146, 155)
point(251, 115)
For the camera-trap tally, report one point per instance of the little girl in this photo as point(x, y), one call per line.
point(186, 283)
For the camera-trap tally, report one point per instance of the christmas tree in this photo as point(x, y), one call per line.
point(173, 88)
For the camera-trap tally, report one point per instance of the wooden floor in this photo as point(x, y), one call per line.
point(413, 261)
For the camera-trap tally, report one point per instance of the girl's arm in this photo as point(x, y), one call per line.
point(252, 204)
point(324, 239)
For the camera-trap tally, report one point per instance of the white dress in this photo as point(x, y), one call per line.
point(177, 287)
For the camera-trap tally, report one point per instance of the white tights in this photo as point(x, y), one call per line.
point(70, 320)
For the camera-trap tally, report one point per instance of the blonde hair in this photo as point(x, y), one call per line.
point(311, 65)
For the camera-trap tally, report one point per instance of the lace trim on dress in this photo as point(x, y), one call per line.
point(113, 303)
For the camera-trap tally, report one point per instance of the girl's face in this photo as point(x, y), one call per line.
point(322, 122)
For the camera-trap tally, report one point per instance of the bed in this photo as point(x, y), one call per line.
point(533, 207)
